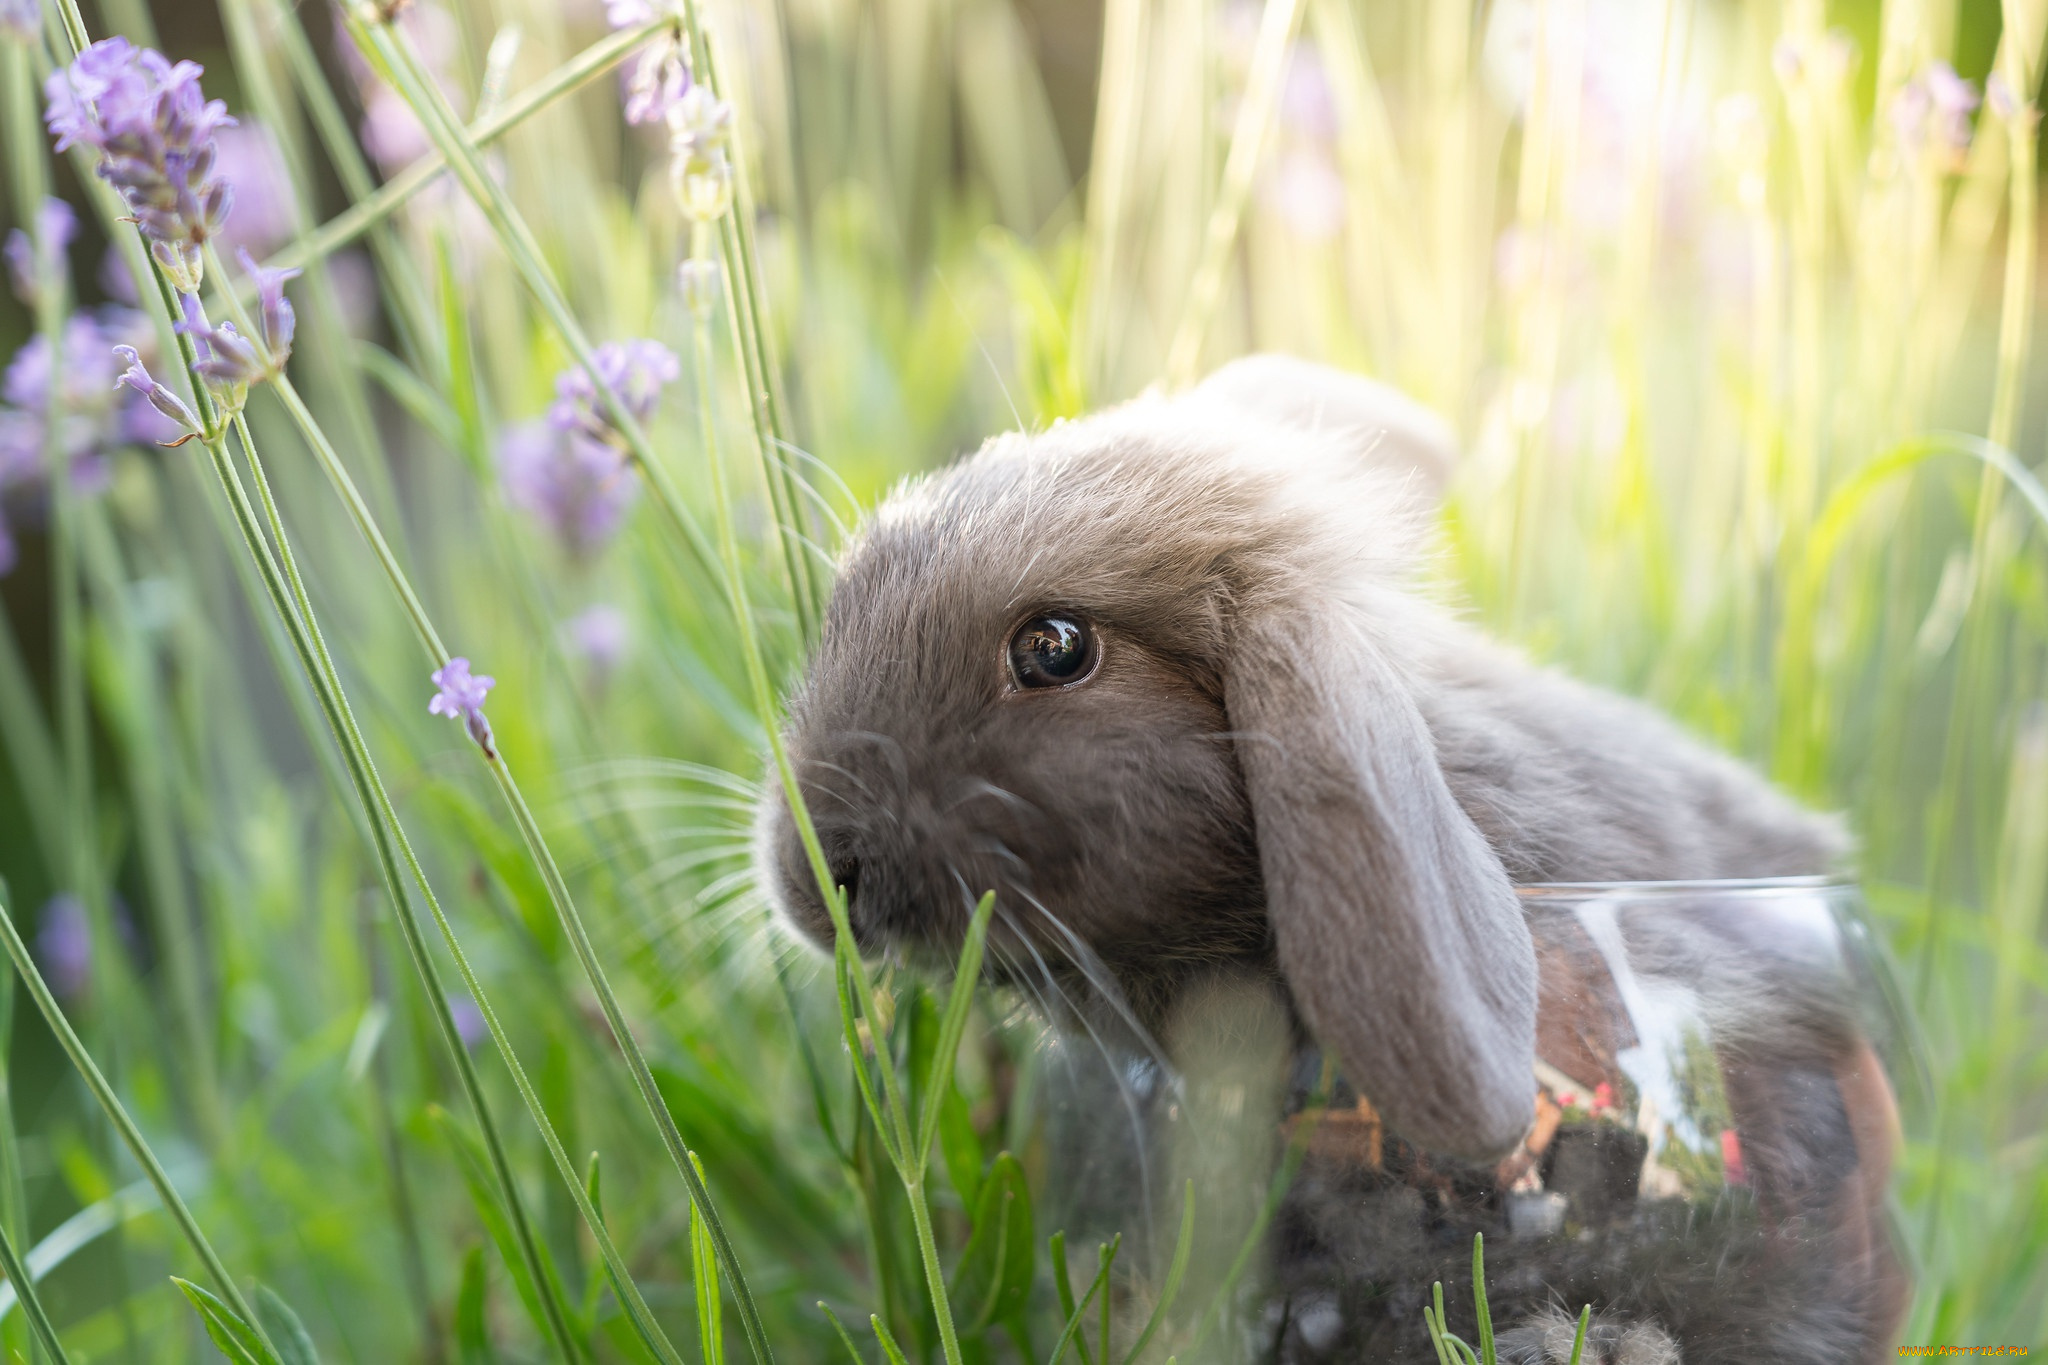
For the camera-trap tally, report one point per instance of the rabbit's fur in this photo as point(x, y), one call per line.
point(1290, 759)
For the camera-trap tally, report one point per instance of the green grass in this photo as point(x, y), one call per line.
point(1701, 382)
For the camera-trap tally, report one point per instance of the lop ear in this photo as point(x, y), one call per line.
point(1397, 929)
point(1390, 430)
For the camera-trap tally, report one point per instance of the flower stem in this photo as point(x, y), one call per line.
point(636, 1061)
point(579, 71)
point(117, 1114)
point(288, 595)
point(757, 368)
point(409, 76)
point(31, 1303)
point(934, 1273)
point(558, 893)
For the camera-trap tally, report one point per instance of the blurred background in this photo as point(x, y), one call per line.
point(1701, 284)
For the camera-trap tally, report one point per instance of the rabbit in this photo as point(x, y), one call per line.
point(1167, 680)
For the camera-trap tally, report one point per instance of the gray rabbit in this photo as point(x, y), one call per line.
point(1165, 678)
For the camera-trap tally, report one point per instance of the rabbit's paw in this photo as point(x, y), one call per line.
point(1546, 1339)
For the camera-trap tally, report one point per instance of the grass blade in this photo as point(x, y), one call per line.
point(1479, 1298)
point(966, 975)
point(117, 1114)
point(1076, 1313)
point(1183, 1247)
point(24, 1287)
point(889, 1346)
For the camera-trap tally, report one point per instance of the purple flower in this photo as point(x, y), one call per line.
point(578, 486)
point(275, 310)
point(31, 261)
point(227, 360)
point(64, 943)
point(21, 20)
point(115, 277)
point(469, 1019)
point(462, 694)
point(249, 162)
point(657, 80)
point(392, 134)
point(600, 634)
point(86, 375)
point(1950, 92)
point(93, 418)
point(154, 132)
point(1307, 103)
point(21, 449)
point(138, 378)
point(628, 13)
point(636, 371)
point(92, 413)
point(572, 472)
point(1937, 101)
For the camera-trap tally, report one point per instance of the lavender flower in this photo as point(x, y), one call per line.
point(600, 634)
point(227, 360)
point(469, 1019)
point(116, 279)
point(249, 162)
point(138, 378)
point(64, 943)
point(462, 695)
point(657, 78)
point(579, 487)
point(85, 375)
point(33, 263)
point(392, 134)
point(93, 420)
point(154, 132)
point(572, 472)
point(636, 371)
point(1932, 112)
point(21, 20)
point(274, 309)
point(92, 416)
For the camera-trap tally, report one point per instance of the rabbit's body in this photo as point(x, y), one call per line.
point(1165, 680)
point(1570, 783)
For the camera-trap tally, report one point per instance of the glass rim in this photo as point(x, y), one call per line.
point(1729, 886)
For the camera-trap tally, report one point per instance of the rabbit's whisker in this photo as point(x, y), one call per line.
point(1098, 976)
point(1131, 1102)
point(975, 788)
point(899, 765)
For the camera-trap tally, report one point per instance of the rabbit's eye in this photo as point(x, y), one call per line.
point(1052, 651)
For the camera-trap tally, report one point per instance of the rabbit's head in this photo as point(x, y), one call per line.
point(1151, 677)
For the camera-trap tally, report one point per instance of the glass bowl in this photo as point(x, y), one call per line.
point(1715, 1127)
